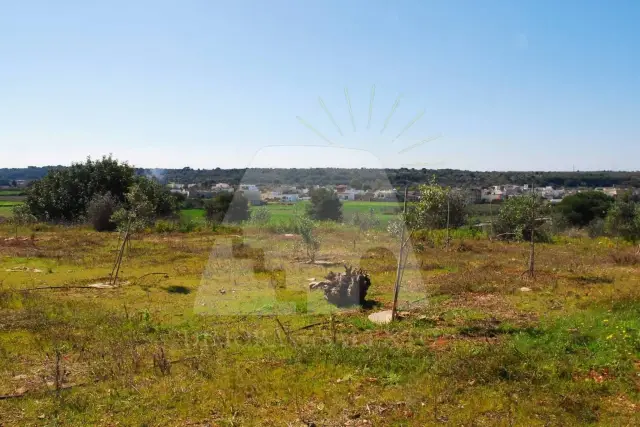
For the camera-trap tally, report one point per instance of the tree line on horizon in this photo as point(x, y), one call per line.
point(361, 177)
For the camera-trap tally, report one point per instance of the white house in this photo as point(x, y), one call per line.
point(289, 198)
point(492, 195)
point(222, 186)
point(182, 191)
point(251, 193)
point(385, 194)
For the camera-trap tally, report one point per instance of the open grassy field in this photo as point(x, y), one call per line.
point(478, 343)
point(281, 212)
point(11, 193)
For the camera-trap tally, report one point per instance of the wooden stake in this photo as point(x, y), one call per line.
point(114, 277)
point(396, 287)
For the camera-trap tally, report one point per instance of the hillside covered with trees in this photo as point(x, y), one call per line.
point(329, 176)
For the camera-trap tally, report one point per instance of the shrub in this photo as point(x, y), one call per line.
point(324, 205)
point(163, 226)
point(596, 228)
point(188, 226)
point(623, 219)
point(260, 215)
point(625, 258)
point(100, 210)
point(227, 207)
point(583, 208)
point(305, 227)
point(437, 206)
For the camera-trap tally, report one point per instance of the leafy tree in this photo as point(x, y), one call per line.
point(21, 217)
point(227, 206)
point(623, 219)
point(306, 227)
point(356, 183)
point(324, 205)
point(581, 208)
point(524, 218)
point(437, 207)
point(65, 193)
point(521, 217)
point(162, 202)
point(100, 210)
point(137, 213)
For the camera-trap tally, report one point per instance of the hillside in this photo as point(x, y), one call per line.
point(327, 176)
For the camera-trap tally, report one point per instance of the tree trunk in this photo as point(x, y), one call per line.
point(532, 253)
point(448, 216)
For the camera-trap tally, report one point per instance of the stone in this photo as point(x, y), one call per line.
point(381, 317)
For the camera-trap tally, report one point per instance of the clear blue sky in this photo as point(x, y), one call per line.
point(506, 85)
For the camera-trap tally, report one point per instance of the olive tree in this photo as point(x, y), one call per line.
point(22, 217)
point(524, 218)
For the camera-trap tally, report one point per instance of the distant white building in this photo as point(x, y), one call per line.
point(251, 192)
point(182, 191)
point(289, 198)
point(222, 186)
point(385, 194)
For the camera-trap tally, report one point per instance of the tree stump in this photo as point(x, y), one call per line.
point(344, 289)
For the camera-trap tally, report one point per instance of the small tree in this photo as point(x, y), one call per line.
point(137, 213)
point(227, 206)
point(22, 217)
point(523, 218)
point(364, 222)
point(260, 216)
point(324, 205)
point(306, 228)
point(438, 207)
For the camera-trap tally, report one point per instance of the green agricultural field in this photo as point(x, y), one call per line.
point(11, 192)
point(281, 212)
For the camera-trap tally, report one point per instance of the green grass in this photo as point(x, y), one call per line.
point(472, 349)
point(11, 192)
point(281, 212)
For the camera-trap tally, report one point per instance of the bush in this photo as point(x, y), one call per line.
point(596, 228)
point(64, 194)
point(625, 258)
point(260, 215)
point(163, 226)
point(437, 206)
point(324, 205)
point(100, 210)
point(227, 207)
point(623, 219)
point(188, 226)
point(583, 208)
